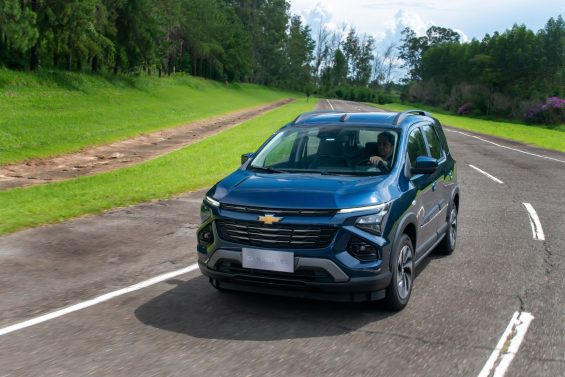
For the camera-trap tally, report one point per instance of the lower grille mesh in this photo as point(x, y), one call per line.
point(300, 276)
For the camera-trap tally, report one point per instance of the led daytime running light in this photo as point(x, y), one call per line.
point(378, 208)
point(211, 201)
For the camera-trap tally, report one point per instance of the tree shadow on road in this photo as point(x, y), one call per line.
point(195, 308)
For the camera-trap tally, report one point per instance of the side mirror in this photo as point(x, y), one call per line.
point(425, 165)
point(245, 157)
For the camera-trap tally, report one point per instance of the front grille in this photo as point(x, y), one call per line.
point(276, 235)
point(280, 211)
point(299, 277)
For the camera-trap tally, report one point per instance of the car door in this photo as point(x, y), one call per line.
point(448, 179)
point(424, 201)
point(440, 201)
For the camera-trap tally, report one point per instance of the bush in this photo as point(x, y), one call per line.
point(552, 111)
point(465, 110)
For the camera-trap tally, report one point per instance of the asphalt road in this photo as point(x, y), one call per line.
point(459, 309)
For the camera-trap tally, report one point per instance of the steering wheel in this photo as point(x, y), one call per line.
point(381, 165)
point(365, 161)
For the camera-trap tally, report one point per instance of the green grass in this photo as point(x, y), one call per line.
point(196, 166)
point(539, 136)
point(50, 113)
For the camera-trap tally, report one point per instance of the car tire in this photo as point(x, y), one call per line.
point(403, 271)
point(449, 241)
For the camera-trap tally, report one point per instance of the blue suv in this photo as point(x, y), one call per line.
point(337, 206)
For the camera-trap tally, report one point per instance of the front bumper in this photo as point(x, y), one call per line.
point(325, 279)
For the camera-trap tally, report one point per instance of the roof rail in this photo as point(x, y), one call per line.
point(405, 114)
point(311, 114)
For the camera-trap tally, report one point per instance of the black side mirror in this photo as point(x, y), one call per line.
point(425, 165)
point(245, 157)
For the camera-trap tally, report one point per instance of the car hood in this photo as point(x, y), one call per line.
point(301, 190)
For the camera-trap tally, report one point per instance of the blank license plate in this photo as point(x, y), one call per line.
point(268, 260)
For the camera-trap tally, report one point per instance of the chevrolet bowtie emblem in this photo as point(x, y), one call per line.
point(269, 219)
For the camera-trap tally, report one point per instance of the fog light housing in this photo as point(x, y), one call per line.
point(206, 236)
point(362, 250)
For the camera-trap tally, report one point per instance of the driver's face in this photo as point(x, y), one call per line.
point(384, 148)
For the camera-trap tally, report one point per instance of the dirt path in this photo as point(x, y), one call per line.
point(122, 153)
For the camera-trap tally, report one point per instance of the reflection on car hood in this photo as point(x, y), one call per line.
point(301, 190)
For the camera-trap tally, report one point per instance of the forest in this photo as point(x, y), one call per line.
point(515, 74)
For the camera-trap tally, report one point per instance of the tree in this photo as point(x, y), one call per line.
point(18, 32)
point(339, 70)
point(299, 50)
point(322, 50)
point(413, 47)
point(363, 62)
point(384, 66)
point(351, 51)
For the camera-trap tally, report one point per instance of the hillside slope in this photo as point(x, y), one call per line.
point(51, 113)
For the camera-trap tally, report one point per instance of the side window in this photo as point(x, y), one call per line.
point(313, 144)
point(442, 137)
point(433, 142)
point(416, 146)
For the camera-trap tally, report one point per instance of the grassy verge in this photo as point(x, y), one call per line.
point(538, 136)
point(195, 166)
point(50, 113)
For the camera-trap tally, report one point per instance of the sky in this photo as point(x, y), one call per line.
point(385, 19)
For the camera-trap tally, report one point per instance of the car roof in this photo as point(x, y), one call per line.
point(379, 119)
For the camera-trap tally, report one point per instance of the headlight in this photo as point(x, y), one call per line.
point(373, 223)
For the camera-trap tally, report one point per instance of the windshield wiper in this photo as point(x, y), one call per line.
point(268, 169)
point(323, 172)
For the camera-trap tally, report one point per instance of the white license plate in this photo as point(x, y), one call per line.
point(267, 260)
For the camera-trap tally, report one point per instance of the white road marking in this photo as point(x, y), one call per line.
point(97, 300)
point(507, 346)
point(329, 103)
point(487, 174)
point(537, 230)
point(504, 146)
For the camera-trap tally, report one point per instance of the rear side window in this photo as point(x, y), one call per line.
point(416, 146)
point(433, 142)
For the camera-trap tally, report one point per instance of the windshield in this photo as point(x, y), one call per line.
point(330, 150)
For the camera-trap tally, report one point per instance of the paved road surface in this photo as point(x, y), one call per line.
point(460, 307)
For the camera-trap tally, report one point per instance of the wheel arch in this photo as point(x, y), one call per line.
point(408, 226)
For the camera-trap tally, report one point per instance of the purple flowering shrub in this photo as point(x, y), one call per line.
point(465, 109)
point(552, 111)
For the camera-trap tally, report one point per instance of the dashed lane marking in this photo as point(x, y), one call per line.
point(329, 103)
point(487, 174)
point(97, 300)
point(505, 147)
point(537, 231)
point(507, 346)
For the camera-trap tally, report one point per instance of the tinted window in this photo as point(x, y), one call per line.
point(442, 137)
point(329, 149)
point(416, 146)
point(281, 151)
point(433, 141)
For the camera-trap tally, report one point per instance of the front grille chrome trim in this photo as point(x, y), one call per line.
point(279, 211)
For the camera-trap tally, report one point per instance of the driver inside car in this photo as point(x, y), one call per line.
point(384, 151)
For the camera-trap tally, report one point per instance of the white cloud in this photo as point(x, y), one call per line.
point(471, 19)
